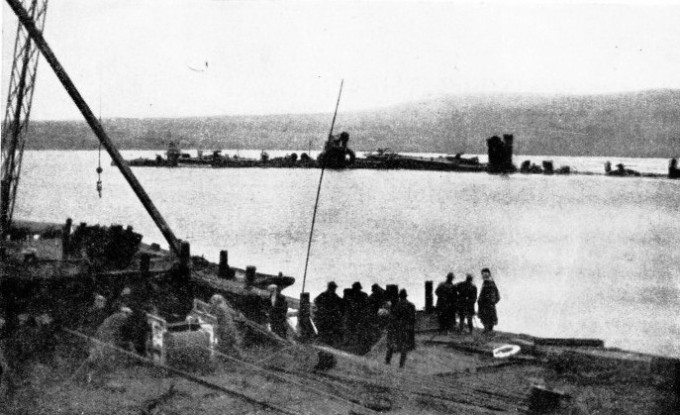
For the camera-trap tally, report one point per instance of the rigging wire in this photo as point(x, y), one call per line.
point(318, 192)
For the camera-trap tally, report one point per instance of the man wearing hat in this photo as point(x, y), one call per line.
point(401, 329)
point(328, 315)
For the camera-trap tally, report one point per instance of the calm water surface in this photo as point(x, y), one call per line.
point(582, 256)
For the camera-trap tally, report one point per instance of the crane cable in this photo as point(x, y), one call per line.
point(99, 162)
point(99, 172)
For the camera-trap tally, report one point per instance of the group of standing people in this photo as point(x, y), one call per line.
point(456, 303)
point(349, 321)
point(357, 320)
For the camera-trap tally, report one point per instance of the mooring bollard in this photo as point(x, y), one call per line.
point(428, 297)
point(250, 275)
point(223, 270)
point(66, 239)
point(185, 259)
point(185, 252)
point(305, 318)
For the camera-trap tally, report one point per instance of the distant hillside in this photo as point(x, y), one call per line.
point(640, 124)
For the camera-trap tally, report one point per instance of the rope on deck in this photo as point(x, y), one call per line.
point(183, 374)
point(291, 380)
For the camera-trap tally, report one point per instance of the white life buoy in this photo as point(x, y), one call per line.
point(506, 350)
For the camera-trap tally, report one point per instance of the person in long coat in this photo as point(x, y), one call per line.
point(446, 303)
point(375, 302)
point(278, 311)
point(229, 339)
point(467, 297)
point(356, 306)
point(328, 315)
point(486, 304)
point(94, 316)
point(401, 329)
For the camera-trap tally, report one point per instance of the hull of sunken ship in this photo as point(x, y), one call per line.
point(337, 155)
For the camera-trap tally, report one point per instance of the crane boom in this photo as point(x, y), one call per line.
point(93, 122)
point(18, 110)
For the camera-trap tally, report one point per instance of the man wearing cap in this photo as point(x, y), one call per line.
point(328, 315)
point(401, 329)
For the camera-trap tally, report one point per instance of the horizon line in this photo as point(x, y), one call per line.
point(368, 110)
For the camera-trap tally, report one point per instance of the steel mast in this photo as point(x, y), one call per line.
point(18, 111)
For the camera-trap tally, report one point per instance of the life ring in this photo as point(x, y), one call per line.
point(505, 351)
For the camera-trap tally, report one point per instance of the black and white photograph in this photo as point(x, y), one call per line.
point(340, 207)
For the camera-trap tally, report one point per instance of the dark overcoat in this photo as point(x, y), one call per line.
point(328, 316)
point(401, 328)
point(467, 297)
point(486, 304)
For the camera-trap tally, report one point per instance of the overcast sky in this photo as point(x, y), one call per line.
point(147, 58)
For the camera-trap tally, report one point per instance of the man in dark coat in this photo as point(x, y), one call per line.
point(486, 304)
point(446, 303)
point(277, 309)
point(376, 299)
point(467, 297)
point(328, 315)
point(401, 329)
point(356, 306)
point(375, 302)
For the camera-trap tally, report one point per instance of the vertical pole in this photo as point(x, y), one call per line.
point(223, 270)
point(250, 275)
point(66, 239)
point(318, 192)
point(428, 297)
point(185, 259)
point(305, 318)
